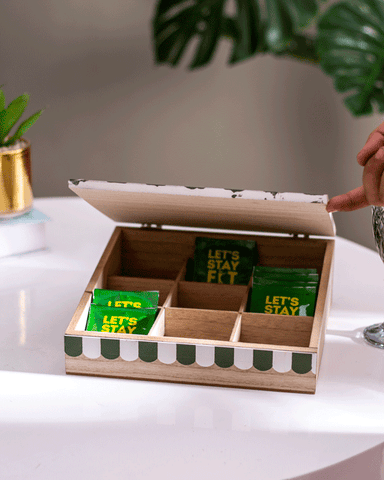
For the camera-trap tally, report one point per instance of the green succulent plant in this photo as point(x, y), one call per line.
point(10, 115)
point(345, 38)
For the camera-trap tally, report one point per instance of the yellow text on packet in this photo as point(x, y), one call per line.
point(124, 304)
point(280, 305)
point(222, 262)
point(115, 324)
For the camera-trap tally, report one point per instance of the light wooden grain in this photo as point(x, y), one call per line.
point(141, 284)
point(236, 331)
point(79, 319)
point(109, 264)
point(199, 324)
point(158, 326)
point(193, 374)
point(276, 329)
point(323, 299)
point(321, 316)
point(212, 212)
point(220, 297)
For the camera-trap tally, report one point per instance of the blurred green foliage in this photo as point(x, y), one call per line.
point(10, 115)
point(345, 38)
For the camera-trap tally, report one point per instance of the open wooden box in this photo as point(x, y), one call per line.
point(202, 333)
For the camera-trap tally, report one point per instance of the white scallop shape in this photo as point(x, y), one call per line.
point(91, 347)
point(166, 352)
point(205, 355)
point(282, 361)
point(243, 358)
point(129, 350)
point(314, 363)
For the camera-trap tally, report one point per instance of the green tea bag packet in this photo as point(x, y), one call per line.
point(118, 320)
point(122, 299)
point(263, 270)
point(289, 281)
point(224, 261)
point(283, 299)
point(300, 274)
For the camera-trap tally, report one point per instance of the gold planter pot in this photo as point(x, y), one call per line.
point(16, 195)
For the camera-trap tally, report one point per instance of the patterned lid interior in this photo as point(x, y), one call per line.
point(217, 208)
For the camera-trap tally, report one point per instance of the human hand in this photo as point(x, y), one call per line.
point(371, 157)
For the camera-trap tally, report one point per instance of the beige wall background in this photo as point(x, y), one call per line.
point(112, 114)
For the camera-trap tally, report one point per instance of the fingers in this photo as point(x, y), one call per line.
point(372, 145)
point(348, 202)
point(371, 157)
point(373, 179)
point(375, 141)
point(372, 191)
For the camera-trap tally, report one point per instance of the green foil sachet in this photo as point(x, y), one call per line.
point(120, 320)
point(224, 261)
point(122, 299)
point(283, 299)
point(282, 272)
point(283, 291)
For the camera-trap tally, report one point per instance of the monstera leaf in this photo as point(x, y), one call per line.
point(251, 28)
point(351, 48)
point(284, 18)
point(176, 22)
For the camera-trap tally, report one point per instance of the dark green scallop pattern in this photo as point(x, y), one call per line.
point(110, 349)
point(148, 351)
point(262, 360)
point(73, 346)
point(301, 362)
point(186, 354)
point(224, 356)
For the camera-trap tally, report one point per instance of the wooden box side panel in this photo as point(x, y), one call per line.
point(324, 299)
point(79, 319)
point(193, 374)
point(109, 264)
point(320, 322)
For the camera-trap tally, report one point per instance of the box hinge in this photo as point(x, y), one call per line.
point(300, 235)
point(151, 226)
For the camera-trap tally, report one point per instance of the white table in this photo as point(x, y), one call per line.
point(54, 425)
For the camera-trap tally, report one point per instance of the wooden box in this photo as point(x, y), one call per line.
point(202, 333)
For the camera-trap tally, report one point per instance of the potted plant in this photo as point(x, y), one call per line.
point(16, 195)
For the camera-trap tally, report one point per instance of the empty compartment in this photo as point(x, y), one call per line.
point(201, 324)
point(141, 284)
point(154, 253)
point(208, 296)
point(265, 329)
point(291, 252)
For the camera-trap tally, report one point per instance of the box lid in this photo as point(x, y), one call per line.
point(204, 207)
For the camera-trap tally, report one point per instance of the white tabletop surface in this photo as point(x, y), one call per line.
point(54, 425)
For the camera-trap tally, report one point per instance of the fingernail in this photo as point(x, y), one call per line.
point(331, 209)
